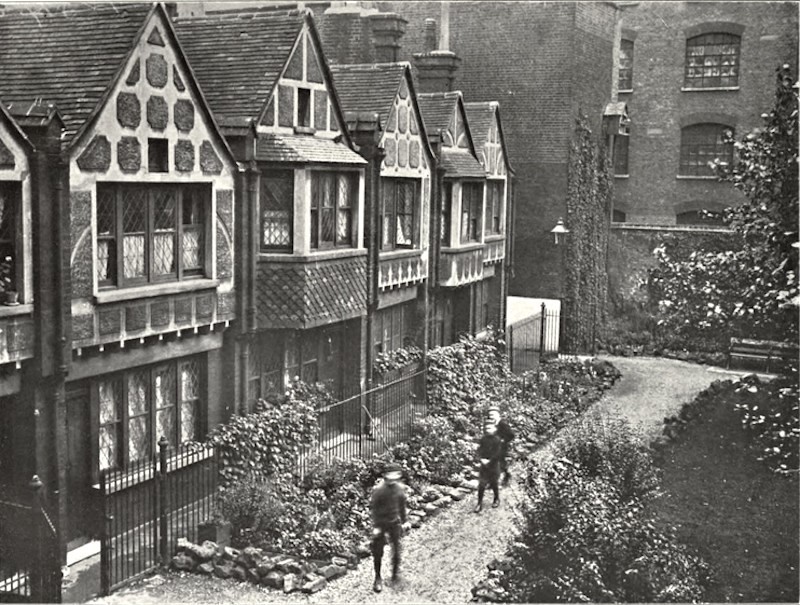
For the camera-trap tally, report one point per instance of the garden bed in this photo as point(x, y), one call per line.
point(729, 506)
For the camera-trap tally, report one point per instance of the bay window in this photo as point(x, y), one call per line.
point(494, 204)
point(333, 203)
point(139, 406)
point(471, 205)
point(397, 213)
point(9, 204)
point(150, 233)
point(277, 210)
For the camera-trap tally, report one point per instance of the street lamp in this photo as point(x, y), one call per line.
point(559, 230)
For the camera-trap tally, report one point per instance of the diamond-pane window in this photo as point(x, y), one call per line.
point(9, 203)
point(712, 61)
point(332, 205)
point(471, 204)
point(109, 401)
point(190, 399)
point(277, 206)
point(154, 245)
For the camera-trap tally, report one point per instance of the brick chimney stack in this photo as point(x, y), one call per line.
point(436, 69)
point(387, 29)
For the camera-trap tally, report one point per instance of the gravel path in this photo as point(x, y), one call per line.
point(445, 557)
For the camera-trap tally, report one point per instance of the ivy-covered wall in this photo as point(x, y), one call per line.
point(586, 277)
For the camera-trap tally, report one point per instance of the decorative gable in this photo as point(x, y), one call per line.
point(493, 150)
point(151, 112)
point(13, 157)
point(456, 133)
point(402, 141)
point(301, 99)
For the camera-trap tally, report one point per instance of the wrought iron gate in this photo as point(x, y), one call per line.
point(532, 338)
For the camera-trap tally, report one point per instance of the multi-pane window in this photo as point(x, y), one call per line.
point(9, 203)
point(621, 142)
point(701, 144)
point(393, 327)
point(494, 205)
point(447, 205)
point(277, 210)
point(626, 65)
point(712, 61)
point(140, 406)
point(333, 203)
point(150, 233)
point(265, 368)
point(471, 204)
point(397, 213)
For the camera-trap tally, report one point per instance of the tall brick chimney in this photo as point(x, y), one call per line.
point(436, 69)
point(387, 29)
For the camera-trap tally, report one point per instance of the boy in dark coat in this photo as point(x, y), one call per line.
point(489, 452)
point(388, 507)
point(506, 436)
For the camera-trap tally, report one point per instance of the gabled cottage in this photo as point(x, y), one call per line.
point(487, 131)
point(147, 193)
point(302, 292)
point(383, 117)
point(461, 298)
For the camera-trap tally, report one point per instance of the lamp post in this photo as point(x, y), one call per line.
point(559, 231)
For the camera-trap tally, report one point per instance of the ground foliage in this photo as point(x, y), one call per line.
point(751, 291)
point(589, 194)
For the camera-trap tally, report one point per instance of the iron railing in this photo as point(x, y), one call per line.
point(533, 338)
point(30, 565)
point(370, 422)
point(149, 505)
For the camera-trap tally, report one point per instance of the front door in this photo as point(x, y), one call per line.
point(79, 469)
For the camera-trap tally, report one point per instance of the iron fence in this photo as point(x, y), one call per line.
point(533, 338)
point(370, 422)
point(149, 505)
point(30, 565)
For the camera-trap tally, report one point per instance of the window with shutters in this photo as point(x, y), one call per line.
point(139, 406)
point(150, 233)
point(398, 213)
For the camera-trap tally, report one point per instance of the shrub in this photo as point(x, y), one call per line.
point(267, 441)
point(580, 541)
point(436, 451)
point(606, 448)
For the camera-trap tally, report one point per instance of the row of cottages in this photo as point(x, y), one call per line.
point(192, 215)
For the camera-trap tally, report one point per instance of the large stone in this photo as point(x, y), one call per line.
point(204, 552)
point(249, 557)
point(331, 572)
point(363, 550)
point(471, 484)
point(291, 583)
point(183, 562)
point(230, 553)
point(223, 570)
point(430, 508)
point(289, 565)
point(252, 576)
point(415, 521)
point(206, 568)
point(265, 565)
point(340, 561)
point(456, 495)
point(350, 557)
point(444, 501)
point(315, 585)
point(273, 579)
point(239, 573)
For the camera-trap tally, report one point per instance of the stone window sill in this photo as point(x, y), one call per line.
point(311, 257)
point(400, 253)
point(689, 177)
point(462, 248)
point(622, 176)
point(14, 310)
point(711, 89)
point(152, 290)
point(494, 237)
point(625, 91)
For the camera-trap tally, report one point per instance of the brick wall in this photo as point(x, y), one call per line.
point(653, 193)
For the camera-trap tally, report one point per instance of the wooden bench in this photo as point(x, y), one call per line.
point(767, 351)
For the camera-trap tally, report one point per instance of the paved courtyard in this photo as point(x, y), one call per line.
point(444, 558)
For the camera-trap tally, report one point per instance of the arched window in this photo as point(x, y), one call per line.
point(700, 145)
point(712, 61)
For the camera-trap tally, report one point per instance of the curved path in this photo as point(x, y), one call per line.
point(445, 557)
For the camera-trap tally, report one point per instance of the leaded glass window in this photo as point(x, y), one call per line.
point(110, 400)
point(621, 143)
point(333, 202)
point(150, 233)
point(626, 65)
point(447, 201)
point(139, 437)
point(701, 144)
point(712, 61)
point(277, 210)
point(9, 203)
point(494, 205)
point(190, 399)
point(398, 213)
point(471, 205)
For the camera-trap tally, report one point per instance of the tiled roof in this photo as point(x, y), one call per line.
point(437, 109)
point(67, 55)
point(461, 163)
point(480, 116)
point(368, 87)
point(237, 58)
point(305, 149)
point(13, 126)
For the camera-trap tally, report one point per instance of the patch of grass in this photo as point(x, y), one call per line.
point(740, 517)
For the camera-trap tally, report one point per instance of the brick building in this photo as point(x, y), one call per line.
point(141, 196)
point(690, 71)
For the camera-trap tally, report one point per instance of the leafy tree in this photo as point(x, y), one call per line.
point(752, 291)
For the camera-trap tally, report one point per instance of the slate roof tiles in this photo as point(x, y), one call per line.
point(368, 88)
point(66, 55)
point(437, 109)
point(304, 149)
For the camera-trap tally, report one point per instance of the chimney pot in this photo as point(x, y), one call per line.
point(431, 36)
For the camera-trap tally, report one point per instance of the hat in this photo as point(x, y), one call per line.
point(494, 408)
point(392, 467)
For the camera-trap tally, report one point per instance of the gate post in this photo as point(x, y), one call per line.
point(36, 571)
point(105, 542)
point(510, 346)
point(161, 499)
point(542, 332)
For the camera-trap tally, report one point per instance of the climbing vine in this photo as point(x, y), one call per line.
point(588, 203)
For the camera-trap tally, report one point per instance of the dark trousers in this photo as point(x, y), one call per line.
point(504, 466)
point(489, 475)
point(392, 532)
